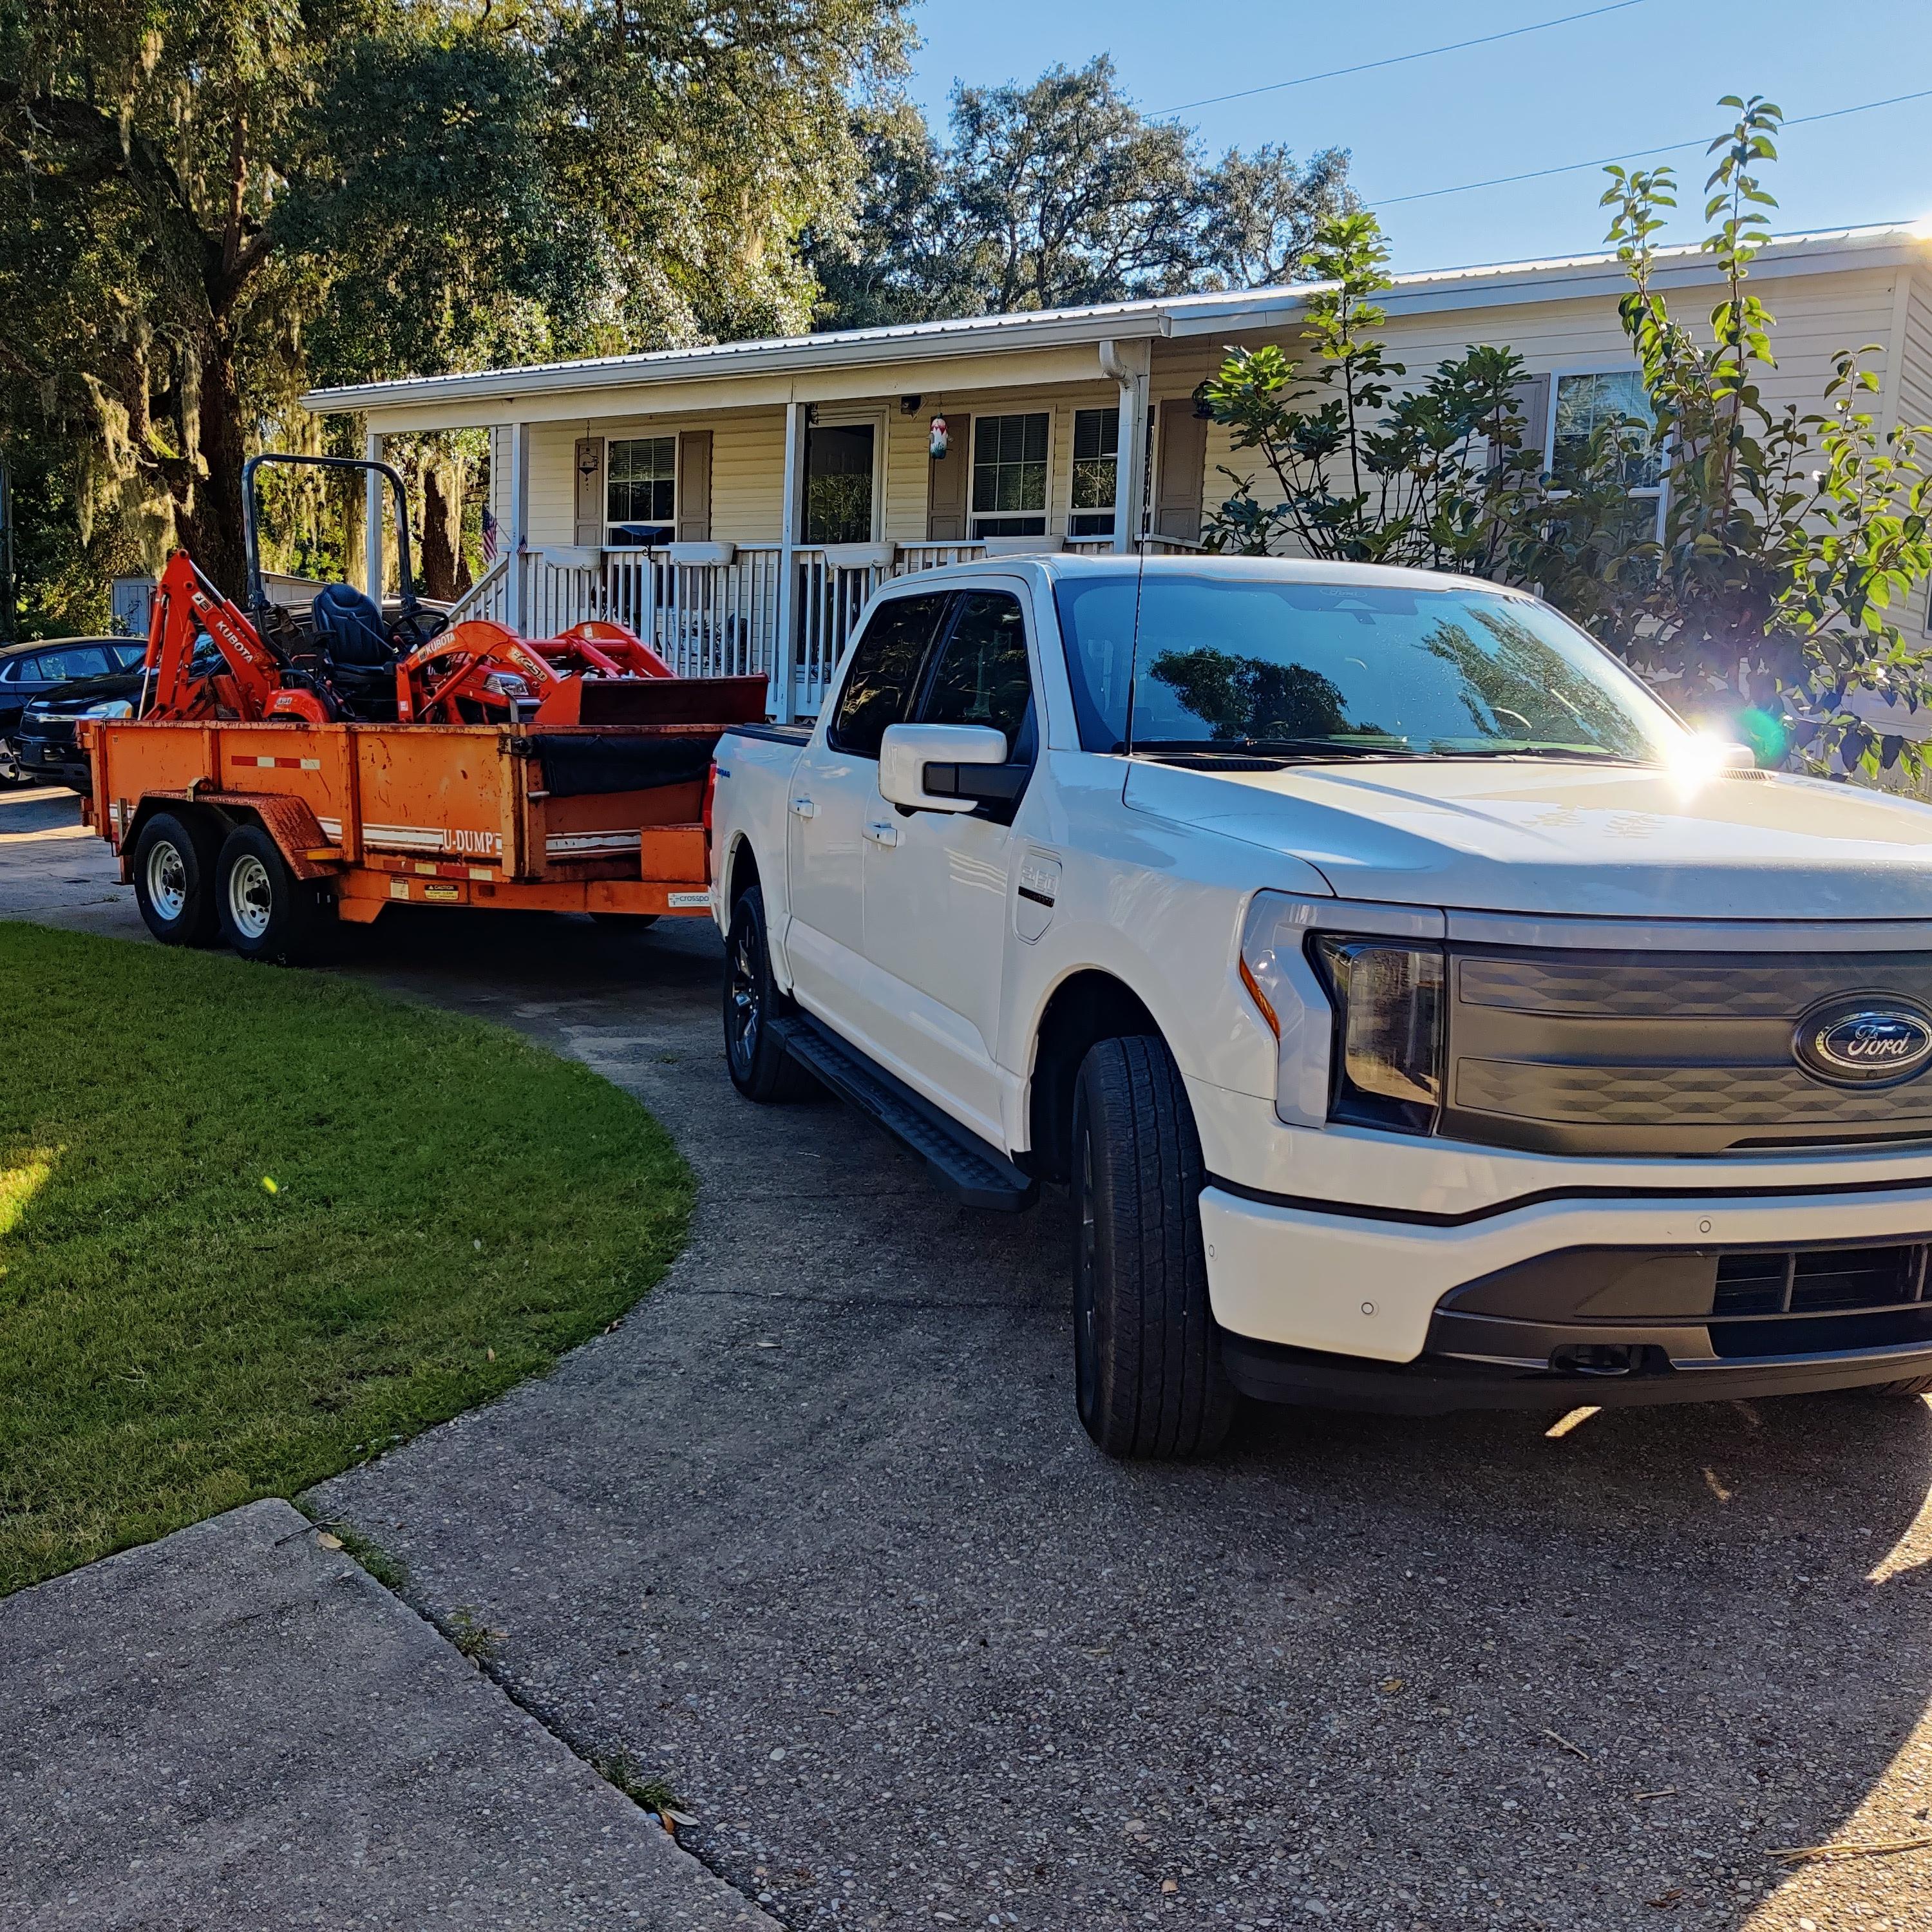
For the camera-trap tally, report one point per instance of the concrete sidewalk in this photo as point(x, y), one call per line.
point(236, 1728)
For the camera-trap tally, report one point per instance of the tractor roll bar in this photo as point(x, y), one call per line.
point(258, 595)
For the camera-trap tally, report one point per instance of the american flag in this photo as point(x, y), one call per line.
point(489, 538)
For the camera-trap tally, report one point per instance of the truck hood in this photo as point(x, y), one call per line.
point(1519, 835)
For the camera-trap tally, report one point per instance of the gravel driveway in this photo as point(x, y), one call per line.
point(815, 1533)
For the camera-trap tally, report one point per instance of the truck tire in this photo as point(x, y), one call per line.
point(759, 1068)
point(264, 911)
point(174, 867)
point(1148, 1373)
point(1908, 1391)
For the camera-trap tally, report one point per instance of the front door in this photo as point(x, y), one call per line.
point(838, 469)
point(835, 795)
point(936, 882)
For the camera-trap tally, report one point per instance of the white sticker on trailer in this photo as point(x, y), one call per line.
point(565, 844)
point(688, 898)
point(406, 838)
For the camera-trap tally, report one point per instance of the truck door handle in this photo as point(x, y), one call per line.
point(804, 807)
point(882, 832)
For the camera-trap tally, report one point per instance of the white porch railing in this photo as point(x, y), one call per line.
point(719, 619)
point(489, 596)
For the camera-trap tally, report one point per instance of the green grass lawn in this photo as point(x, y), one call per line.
point(451, 1207)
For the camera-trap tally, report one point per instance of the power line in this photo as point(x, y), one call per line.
point(1635, 153)
point(1397, 60)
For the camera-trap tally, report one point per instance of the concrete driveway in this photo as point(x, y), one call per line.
point(816, 1534)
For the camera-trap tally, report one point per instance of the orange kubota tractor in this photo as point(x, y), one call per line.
point(285, 768)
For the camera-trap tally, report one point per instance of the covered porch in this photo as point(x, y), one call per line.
point(736, 506)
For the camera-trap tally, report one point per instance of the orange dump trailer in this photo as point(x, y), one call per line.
point(601, 817)
point(287, 769)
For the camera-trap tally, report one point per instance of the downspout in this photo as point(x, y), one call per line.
point(1130, 364)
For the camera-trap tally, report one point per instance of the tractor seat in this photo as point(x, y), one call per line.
point(349, 627)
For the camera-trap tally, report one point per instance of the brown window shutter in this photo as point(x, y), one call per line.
point(694, 486)
point(1180, 460)
point(589, 520)
point(948, 483)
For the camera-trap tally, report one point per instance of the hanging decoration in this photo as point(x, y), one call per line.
point(938, 445)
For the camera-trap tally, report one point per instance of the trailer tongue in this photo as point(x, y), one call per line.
point(283, 771)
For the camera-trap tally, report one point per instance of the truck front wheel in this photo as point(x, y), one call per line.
point(1146, 1355)
point(174, 868)
point(265, 912)
point(759, 1068)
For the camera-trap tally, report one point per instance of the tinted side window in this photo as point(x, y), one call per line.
point(983, 676)
point(83, 661)
point(884, 674)
point(132, 655)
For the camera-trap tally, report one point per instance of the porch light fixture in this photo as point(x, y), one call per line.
point(938, 445)
point(909, 405)
point(1203, 408)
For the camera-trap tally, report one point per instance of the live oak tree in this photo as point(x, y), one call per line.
point(205, 205)
point(1059, 192)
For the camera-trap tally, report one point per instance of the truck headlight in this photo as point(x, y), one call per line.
point(1357, 1020)
point(1388, 1067)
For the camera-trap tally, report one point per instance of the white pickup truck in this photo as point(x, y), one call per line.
point(1422, 1017)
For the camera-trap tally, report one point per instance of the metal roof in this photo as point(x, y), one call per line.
point(1167, 315)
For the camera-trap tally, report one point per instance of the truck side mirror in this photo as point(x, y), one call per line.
point(913, 757)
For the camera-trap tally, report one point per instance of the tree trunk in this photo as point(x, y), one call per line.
point(208, 509)
point(442, 531)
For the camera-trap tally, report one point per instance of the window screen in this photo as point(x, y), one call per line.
point(983, 675)
point(1009, 476)
point(641, 485)
point(886, 667)
point(1096, 447)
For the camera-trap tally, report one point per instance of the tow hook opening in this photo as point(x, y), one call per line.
point(1603, 1358)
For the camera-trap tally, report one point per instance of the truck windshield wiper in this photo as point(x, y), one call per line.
point(1274, 747)
point(1596, 754)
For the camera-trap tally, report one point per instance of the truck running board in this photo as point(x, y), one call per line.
point(978, 1175)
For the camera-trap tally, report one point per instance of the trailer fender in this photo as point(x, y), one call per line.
point(309, 853)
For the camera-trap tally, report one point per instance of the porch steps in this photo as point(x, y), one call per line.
point(974, 1173)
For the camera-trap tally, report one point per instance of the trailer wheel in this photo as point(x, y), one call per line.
point(264, 911)
point(175, 869)
point(1148, 1373)
point(759, 1068)
point(627, 922)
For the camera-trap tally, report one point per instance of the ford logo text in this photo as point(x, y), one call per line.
point(1867, 1041)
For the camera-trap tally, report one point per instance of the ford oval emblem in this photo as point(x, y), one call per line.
point(1871, 1040)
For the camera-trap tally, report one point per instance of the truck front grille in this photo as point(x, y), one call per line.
point(1663, 1053)
point(1818, 1300)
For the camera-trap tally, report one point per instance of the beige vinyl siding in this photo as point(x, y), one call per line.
point(747, 467)
point(1817, 316)
point(1914, 388)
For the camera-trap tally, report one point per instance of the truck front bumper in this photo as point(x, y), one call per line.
point(1561, 1301)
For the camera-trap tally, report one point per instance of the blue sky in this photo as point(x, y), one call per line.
point(1643, 76)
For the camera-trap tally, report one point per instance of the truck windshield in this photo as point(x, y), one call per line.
point(1226, 665)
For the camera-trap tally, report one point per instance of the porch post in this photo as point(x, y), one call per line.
point(375, 505)
point(785, 646)
point(518, 538)
point(1130, 364)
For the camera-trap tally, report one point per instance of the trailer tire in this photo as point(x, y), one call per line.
point(176, 862)
point(754, 1055)
point(1147, 1374)
point(627, 922)
point(264, 911)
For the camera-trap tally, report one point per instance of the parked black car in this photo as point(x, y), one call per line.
point(32, 671)
point(45, 736)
